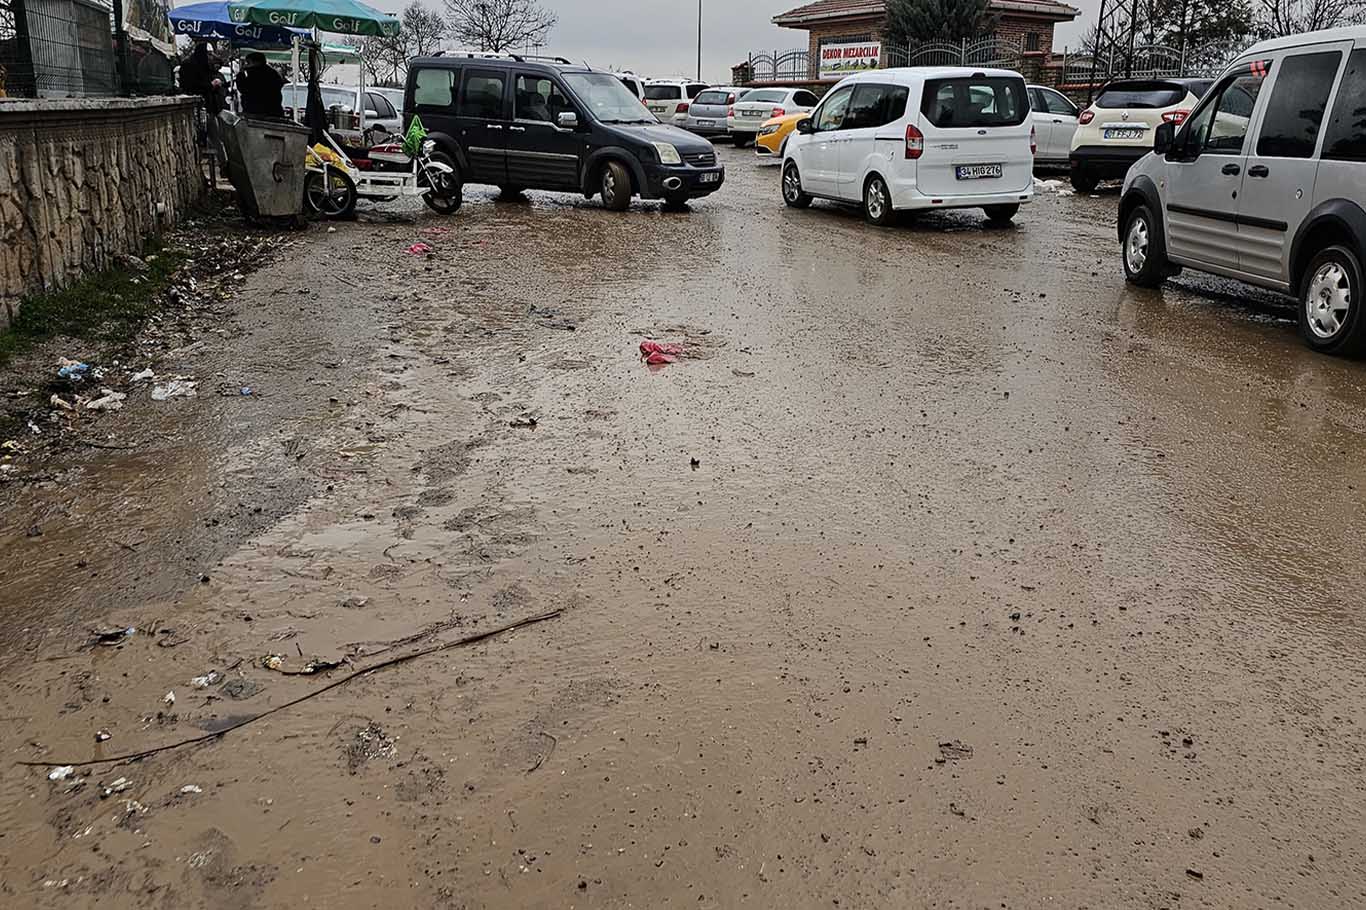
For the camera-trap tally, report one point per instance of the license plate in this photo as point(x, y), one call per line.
point(657, 108)
point(714, 177)
point(754, 113)
point(977, 171)
point(1124, 134)
point(706, 123)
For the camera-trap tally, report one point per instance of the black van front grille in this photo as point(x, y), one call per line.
point(701, 159)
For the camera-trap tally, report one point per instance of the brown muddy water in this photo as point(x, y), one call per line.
point(945, 571)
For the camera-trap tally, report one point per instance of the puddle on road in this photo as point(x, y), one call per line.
point(914, 567)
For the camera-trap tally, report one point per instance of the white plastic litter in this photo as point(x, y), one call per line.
point(109, 400)
point(144, 376)
point(176, 388)
point(169, 699)
point(61, 773)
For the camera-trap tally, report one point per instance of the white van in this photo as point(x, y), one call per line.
point(916, 139)
point(1265, 182)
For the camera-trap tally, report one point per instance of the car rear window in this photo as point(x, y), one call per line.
point(975, 101)
point(714, 98)
point(663, 92)
point(766, 97)
point(1141, 95)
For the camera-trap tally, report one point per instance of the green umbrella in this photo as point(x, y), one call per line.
point(347, 17)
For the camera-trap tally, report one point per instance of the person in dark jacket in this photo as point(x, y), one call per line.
point(260, 89)
point(199, 76)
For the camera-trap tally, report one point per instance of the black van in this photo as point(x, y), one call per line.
point(521, 124)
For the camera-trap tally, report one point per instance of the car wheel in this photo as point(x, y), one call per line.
point(793, 194)
point(1330, 315)
point(1145, 252)
point(1002, 214)
point(616, 186)
point(509, 192)
point(1083, 182)
point(447, 190)
point(877, 202)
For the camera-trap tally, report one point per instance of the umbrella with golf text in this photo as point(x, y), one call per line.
point(347, 17)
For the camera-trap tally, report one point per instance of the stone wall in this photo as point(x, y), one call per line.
point(85, 181)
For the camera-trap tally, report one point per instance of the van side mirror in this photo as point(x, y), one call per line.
point(806, 127)
point(567, 121)
point(1164, 138)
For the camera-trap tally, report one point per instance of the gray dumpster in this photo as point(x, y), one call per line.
point(265, 163)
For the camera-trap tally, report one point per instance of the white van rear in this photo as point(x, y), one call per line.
point(911, 139)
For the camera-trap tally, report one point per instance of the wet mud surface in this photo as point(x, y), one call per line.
point(943, 570)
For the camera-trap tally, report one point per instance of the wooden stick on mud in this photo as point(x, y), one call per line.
point(392, 662)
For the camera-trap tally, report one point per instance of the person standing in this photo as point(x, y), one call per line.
point(260, 89)
point(199, 76)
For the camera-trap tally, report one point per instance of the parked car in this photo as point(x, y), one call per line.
point(1055, 122)
point(762, 105)
point(394, 96)
point(530, 125)
point(1265, 182)
point(1117, 129)
point(914, 139)
point(669, 100)
point(380, 113)
point(634, 83)
point(708, 112)
point(771, 142)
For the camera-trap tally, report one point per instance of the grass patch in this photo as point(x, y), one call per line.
point(108, 307)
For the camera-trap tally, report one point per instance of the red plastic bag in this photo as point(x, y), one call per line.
point(656, 353)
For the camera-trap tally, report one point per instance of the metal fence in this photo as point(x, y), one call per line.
point(1149, 61)
point(990, 50)
point(57, 49)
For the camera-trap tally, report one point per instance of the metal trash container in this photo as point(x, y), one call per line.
point(265, 163)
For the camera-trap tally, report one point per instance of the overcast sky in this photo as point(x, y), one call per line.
point(659, 37)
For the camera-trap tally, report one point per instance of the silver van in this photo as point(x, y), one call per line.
point(1265, 182)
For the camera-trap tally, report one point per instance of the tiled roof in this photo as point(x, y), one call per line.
point(823, 10)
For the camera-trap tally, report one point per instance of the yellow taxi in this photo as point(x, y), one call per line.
point(768, 145)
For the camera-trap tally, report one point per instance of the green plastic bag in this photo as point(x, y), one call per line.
point(412, 142)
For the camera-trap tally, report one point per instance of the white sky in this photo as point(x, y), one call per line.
point(659, 37)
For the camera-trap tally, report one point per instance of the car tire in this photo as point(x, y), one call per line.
point(1002, 214)
point(1144, 249)
point(615, 183)
point(447, 197)
point(510, 192)
point(1083, 182)
point(877, 202)
point(793, 194)
point(1331, 320)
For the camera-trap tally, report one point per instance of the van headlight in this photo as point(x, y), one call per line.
point(667, 153)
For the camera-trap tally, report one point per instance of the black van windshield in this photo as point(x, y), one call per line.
point(607, 99)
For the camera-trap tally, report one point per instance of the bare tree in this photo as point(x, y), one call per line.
point(421, 34)
point(1291, 17)
point(499, 25)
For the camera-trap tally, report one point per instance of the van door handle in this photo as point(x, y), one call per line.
point(1232, 170)
point(516, 129)
point(494, 126)
point(1260, 170)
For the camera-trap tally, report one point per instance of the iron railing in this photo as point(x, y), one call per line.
point(988, 50)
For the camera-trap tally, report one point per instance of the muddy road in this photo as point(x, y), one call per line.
point(944, 570)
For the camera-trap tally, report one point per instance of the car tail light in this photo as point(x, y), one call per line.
point(730, 99)
point(682, 108)
point(1033, 141)
point(1086, 117)
point(1177, 117)
point(915, 142)
point(730, 111)
point(779, 112)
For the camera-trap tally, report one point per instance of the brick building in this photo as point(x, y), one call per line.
point(1030, 23)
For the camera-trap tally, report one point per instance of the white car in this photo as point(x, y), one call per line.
point(670, 100)
point(748, 116)
point(916, 139)
point(1117, 129)
point(634, 83)
point(380, 113)
point(1055, 123)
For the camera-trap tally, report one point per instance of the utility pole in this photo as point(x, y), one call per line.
point(699, 40)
